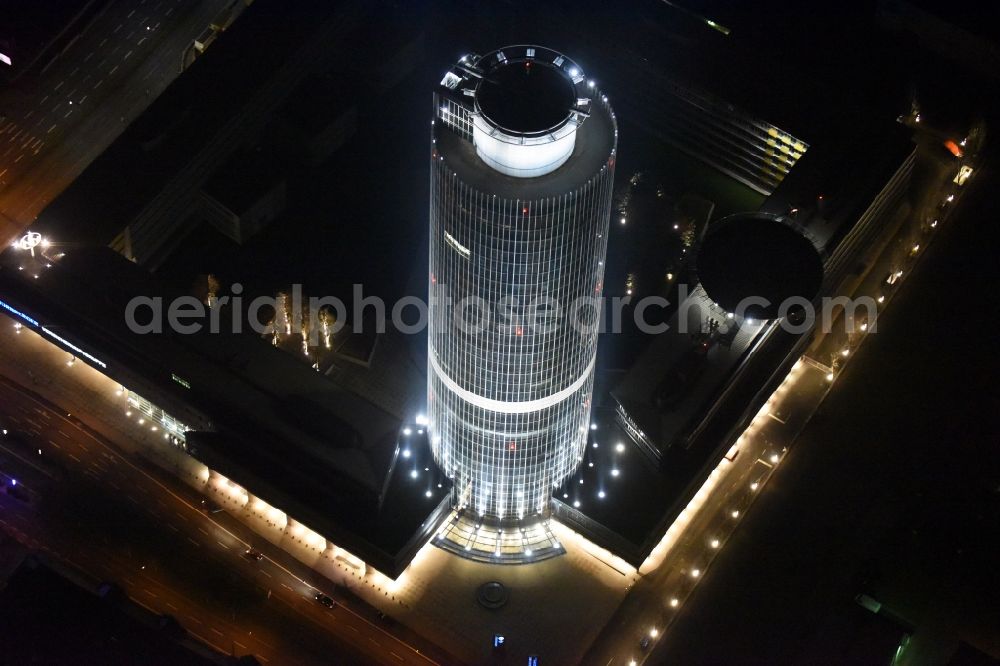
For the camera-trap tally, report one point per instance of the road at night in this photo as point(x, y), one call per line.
point(56, 125)
point(114, 521)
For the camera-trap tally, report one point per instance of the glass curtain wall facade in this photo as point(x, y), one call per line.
point(516, 271)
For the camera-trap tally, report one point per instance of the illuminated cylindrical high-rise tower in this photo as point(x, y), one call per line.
point(522, 168)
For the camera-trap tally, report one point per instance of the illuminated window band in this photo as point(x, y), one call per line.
point(74, 348)
point(18, 313)
point(506, 407)
point(461, 249)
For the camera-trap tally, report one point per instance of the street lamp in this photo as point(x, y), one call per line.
point(30, 241)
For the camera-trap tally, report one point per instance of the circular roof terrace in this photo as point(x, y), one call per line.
point(526, 97)
point(749, 256)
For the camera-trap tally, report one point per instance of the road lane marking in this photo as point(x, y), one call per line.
point(144, 606)
point(265, 573)
point(395, 655)
point(203, 531)
point(194, 542)
point(78, 460)
point(217, 631)
point(169, 525)
point(223, 545)
point(287, 587)
point(208, 642)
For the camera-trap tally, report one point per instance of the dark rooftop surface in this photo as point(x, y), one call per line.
point(756, 255)
point(527, 97)
point(244, 179)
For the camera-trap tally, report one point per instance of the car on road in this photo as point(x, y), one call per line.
point(325, 600)
point(208, 506)
point(252, 554)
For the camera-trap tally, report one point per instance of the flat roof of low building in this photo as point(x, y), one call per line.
point(318, 448)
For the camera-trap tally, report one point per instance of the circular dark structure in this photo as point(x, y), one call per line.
point(492, 594)
point(526, 97)
point(756, 255)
